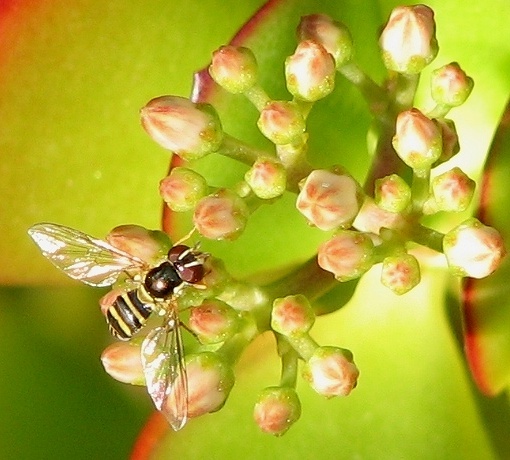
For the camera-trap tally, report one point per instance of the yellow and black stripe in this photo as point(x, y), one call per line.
point(128, 313)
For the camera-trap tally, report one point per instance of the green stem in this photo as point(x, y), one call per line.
point(308, 279)
point(420, 189)
point(375, 96)
point(257, 96)
point(238, 150)
point(405, 91)
point(439, 111)
point(289, 359)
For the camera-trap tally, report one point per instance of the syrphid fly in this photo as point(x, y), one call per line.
point(152, 288)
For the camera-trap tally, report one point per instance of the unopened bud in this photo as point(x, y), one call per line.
point(182, 189)
point(450, 85)
point(450, 138)
point(331, 371)
point(190, 130)
point(267, 178)
point(123, 362)
point(281, 122)
point(213, 321)
point(400, 273)
point(310, 72)
point(210, 380)
point(392, 193)
point(147, 245)
point(277, 409)
point(473, 249)
point(347, 255)
point(234, 68)
point(332, 35)
point(418, 140)
point(408, 41)
point(329, 200)
point(292, 315)
point(452, 191)
point(221, 216)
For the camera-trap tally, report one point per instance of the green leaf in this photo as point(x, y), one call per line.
point(73, 79)
point(486, 302)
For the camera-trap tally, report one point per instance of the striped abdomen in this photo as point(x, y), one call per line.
point(128, 313)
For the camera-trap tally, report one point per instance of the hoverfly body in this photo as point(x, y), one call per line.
point(152, 288)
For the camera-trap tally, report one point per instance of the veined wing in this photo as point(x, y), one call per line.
point(80, 256)
point(165, 371)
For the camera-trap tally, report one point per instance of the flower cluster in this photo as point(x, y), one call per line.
point(375, 224)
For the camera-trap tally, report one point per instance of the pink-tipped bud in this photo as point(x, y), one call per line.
point(123, 362)
point(392, 193)
point(400, 273)
point(190, 130)
point(329, 200)
point(182, 189)
point(267, 178)
point(148, 245)
point(473, 249)
point(332, 35)
point(276, 410)
point(452, 191)
point(310, 72)
point(281, 122)
point(418, 141)
point(331, 371)
point(347, 255)
point(213, 321)
point(221, 216)
point(210, 380)
point(234, 68)
point(450, 85)
point(408, 41)
point(450, 138)
point(292, 315)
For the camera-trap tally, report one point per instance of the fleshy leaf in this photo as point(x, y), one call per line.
point(486, 302)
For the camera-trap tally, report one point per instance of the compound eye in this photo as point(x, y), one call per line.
point(176, 252)
point(192, 274)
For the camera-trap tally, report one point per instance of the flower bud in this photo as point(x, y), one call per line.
point(182, 189)
point(450, 85)
point(332, 35)
point(347, 255)
point(408, 40)
point(267, 178)
point(123, 362)
point(452, 191)
point(418, 140)
point(213, 321)
point(277, 409)
point(329, 200)
point(281, 122)
point(310, 72)
point(473, 249)
point(292, 315)
point(392, 193)
point(187, 129)
point(450, 140)
point(400, 273)
point(234, 68)
point(148, 245)
point(221, 216)
point(331, 371)
point(209, 383)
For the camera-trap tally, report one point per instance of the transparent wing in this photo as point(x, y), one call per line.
point(165, 371)
point(80, 256)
